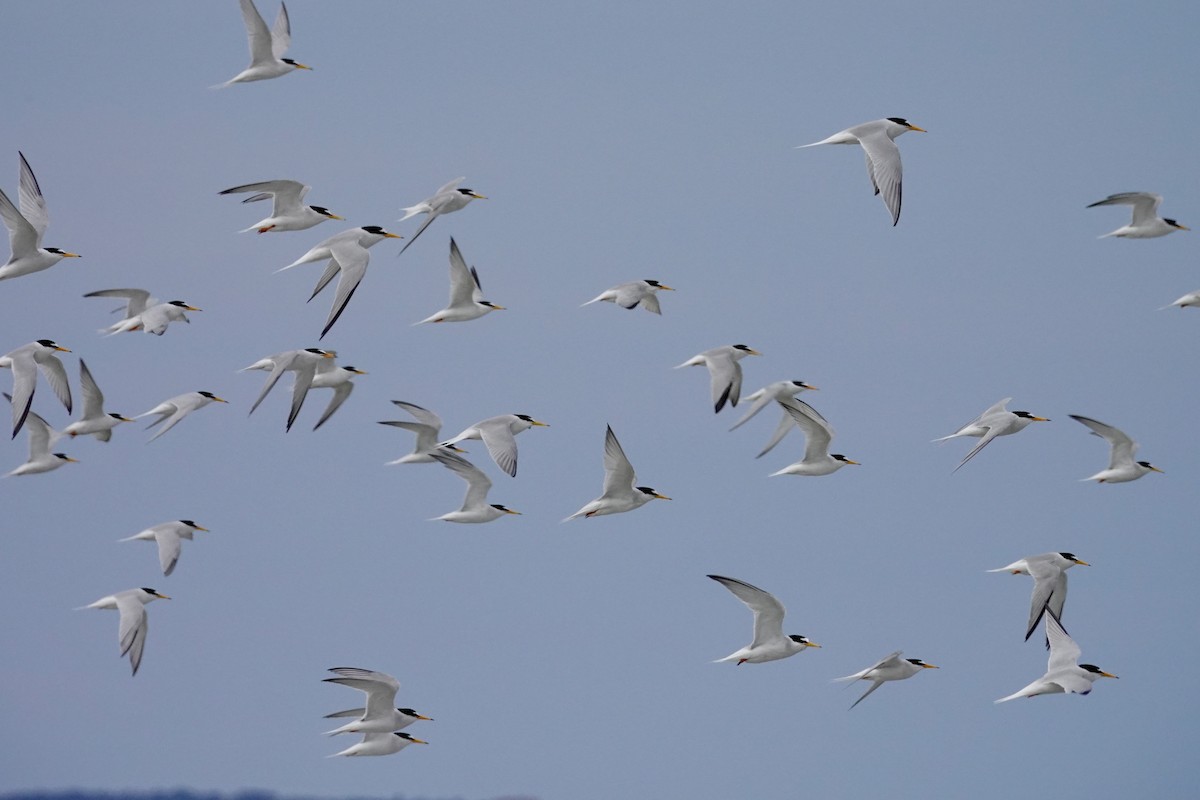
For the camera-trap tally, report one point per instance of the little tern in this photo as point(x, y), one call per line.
point(475, 507)
point(380, 714)
point(174, 410)
point(288, 213)
point(303, 363)
point(447, 199)
point(818, 434)
point(1146, 224)
point(1049, 573)
point(996, 421)
point(466, 293)
point(1121, 466)
point(427, 427)
point(25, 362)
point(94, 421)
point(169, 537)
point(131, 636)
point(890, 668)
point(26, 227)
point(630, 295)
point(1064, 673)
point(724, 372)
point(499, 435)
point(769, 643)
point(620, 493)
point(41, 439)
point(267, 46)
point(883, 157)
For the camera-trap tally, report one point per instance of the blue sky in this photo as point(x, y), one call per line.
point(614, 141)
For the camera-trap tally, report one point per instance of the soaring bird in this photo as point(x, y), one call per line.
point(466, 293)
point(996, 421)
point(1049, 573)
point(169, 537)
point(818, 434)
point(288, 212)
point(380, 744)
point(94, 421)
point(380, 714)
point(769, 643)
point(340, 379)
point(779, 390)
point(266, 46)
point(348, 257)
point(427, 427)
point(174, 410)
point(25, 362)
point(723, 370)
point(1146, 223)
point(1064, 673)
point(447, 199)
point(883, 157)
point(890, 668)
point(620, 493)
point(499, 435)
point(152, 319)
point(132, 634)
point(41, 438)
point(1121, 466)
point(631, 295)
point(302, 362)
point(475, 507)
point(26, 228)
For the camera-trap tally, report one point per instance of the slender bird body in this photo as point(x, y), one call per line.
point(890, 668)
point(174, 410)
point(994, 422)
point(725, 373)
point(427, 427)
point(341, 379)
point(41, 438)
point(1121, 466)
point(131, 636)
point(380, 714)
point(26, 227)
point(475, 507)
point(769, 643)
point(301, 362)
point(169, 537)
point(631, 295)
point(878, 140)
point(1049, 573)
point(466, 293)
point(818, 435)
point(267, 46)
point(94, 421)
point(446, 200)
point(499, 435)
point(1064, 673)
point(25, 362)
point(780, 390)
point(620, 493)
point(288, 212)
point(1146, 223)
point(348, 258)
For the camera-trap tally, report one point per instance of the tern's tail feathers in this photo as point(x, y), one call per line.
point(412, 211)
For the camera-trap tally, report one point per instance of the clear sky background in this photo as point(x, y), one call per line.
point(615, 141)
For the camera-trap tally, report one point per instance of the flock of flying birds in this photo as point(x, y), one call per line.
point(346, 258)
